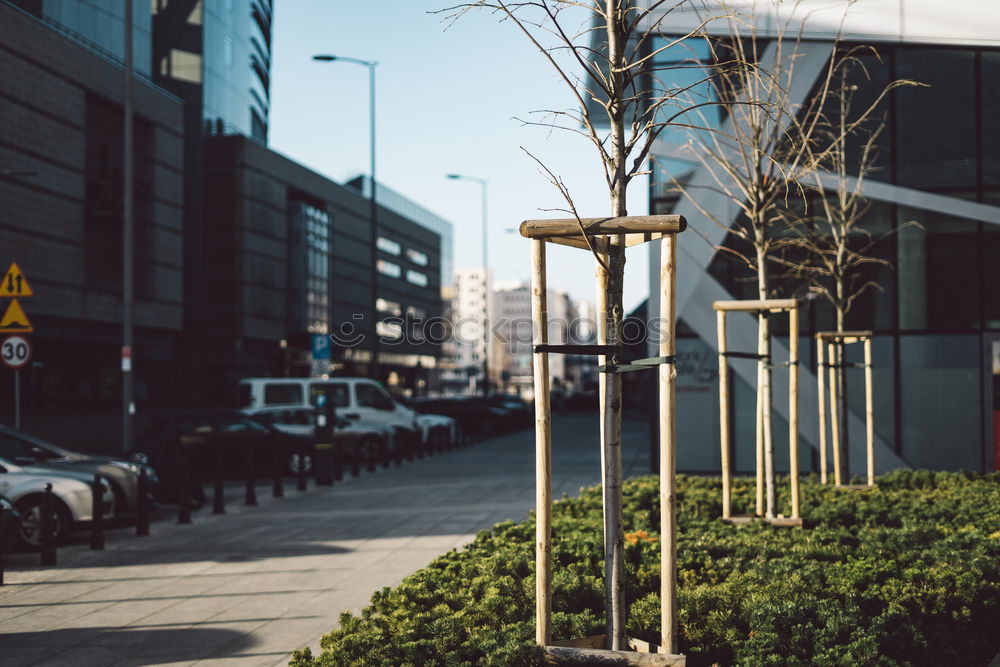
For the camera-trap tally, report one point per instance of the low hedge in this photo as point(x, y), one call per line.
point(908, 574)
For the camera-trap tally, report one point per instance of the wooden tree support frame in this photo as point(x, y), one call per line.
point(763, 430)
point(827, 341)
point(601, 233)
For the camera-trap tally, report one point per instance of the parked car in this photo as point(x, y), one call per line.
point(357, 399)
point(123, 476)
point(74, 499)
point(228, 433)
point(300, 420)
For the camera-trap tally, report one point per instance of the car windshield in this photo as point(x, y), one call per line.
point(14, 444)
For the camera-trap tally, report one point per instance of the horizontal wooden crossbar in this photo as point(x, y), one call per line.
point(633, 224)
point(834, 335)
point(773, 305)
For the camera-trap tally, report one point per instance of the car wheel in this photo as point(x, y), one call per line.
point(30, 534)
point(295, 462)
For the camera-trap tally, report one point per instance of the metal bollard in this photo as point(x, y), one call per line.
point(338, 460)
point(97, 523)
point(48, 552)
point(383, 452)
point(412, 444)
point(372, 454)
point(218, 497)
point(2, 521)
point(302, 481)
point(323, 463)
point(142, 504)
point(184, 487)
point(277, 469)
point(250, 497)
point(356, 459)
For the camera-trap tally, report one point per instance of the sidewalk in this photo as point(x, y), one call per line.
point(250, 586)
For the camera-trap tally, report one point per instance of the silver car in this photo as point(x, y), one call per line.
point(29, 451)
point(74, 499)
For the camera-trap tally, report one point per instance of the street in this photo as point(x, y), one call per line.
point(250, 586)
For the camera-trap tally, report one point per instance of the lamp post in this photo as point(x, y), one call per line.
point(486, 281)
point(370, 64)
point(128, 325)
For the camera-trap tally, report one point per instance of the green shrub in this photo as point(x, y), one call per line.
point(908, 574)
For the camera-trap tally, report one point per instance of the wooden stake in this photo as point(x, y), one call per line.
point(668, 446)
point(793, 407)
point(869, 413)
point(821, 391)
point(724, 442)
point(543, 451)
point(834, 422)
point(760, 443)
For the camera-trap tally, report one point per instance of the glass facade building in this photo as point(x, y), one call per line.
point(100, 26)
point(217, 55)
point(935, 196)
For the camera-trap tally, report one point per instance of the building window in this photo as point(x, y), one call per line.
point(389, 246)
point(416, 257)
point(389, 307)
point(391, 330)
point(416, 278)
point(389, 269)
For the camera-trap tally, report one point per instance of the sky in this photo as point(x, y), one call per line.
point(448, 100)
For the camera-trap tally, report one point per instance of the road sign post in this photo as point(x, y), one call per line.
point(15, 351)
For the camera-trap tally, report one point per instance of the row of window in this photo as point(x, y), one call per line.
point(394, 248)
point(393, 270)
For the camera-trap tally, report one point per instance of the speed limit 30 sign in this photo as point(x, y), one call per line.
point(15, 351)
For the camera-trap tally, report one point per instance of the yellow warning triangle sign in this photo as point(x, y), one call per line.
point(14, 283)
point(14, 320)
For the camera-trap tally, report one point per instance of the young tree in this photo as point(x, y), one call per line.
point(762, 153)
point(602, 50)
point(833, 249)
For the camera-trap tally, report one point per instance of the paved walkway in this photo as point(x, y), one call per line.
point(250, 586)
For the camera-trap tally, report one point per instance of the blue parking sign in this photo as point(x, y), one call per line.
point(320, 346)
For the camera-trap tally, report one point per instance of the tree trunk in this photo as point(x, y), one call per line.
point(613, 279)
point(845, 460)
point(764, 388)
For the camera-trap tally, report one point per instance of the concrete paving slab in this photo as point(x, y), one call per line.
point(249, 586)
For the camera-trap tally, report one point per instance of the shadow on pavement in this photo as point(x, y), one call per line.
point(121, 646)
point(76, 554)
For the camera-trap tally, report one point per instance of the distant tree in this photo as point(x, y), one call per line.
point(764, 153)
point(826, 242)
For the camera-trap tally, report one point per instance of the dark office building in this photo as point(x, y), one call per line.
point(288, 257)
point(61, 153)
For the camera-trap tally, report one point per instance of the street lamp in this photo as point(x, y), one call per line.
point(486, 282)
point(370, 64)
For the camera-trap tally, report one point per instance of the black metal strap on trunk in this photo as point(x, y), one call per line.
point(849, 364)
point(784, 364)
point(593, 350)
point(636, 365)
point(746, 355)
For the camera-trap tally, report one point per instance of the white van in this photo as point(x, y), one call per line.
point(355, 398)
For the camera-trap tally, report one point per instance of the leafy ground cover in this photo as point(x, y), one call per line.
point(908, 574)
